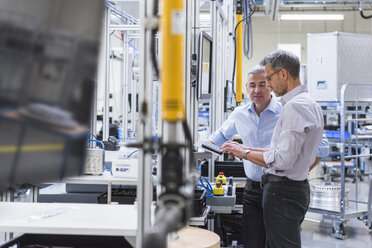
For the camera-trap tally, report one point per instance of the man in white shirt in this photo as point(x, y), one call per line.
point(254, 123)
point(296, 137)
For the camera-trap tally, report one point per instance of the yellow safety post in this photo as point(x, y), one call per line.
point(239, 56)
point(172, 61)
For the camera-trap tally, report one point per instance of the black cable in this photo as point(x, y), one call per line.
point(364, 16)
point(188, 137)
point(361, 11)
point(234, 38)
point(153, 40)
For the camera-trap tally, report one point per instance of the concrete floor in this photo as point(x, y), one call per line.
point(319, 234)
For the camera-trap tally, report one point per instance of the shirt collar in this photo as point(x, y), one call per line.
point(251, 107)
point(289, 95)
point(272, 106)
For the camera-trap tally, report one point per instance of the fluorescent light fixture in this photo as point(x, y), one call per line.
point(311, 17)
point(205, 16)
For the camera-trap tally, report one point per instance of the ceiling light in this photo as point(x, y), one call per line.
point(310, 17)
point(205, 16)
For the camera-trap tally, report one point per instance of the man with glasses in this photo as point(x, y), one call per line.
point(255, 124)
point(293, 147)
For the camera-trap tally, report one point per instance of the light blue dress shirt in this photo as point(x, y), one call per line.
point(253, 130)
point(296, 137)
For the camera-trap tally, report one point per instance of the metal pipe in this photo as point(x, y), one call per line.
point(221, 13)
point(106, 119)
point(124, 27)
point(358, 156)
point(220, 68)
point(125, 78)
point(342, 150)
point(120, 12)
point(349, 141)
point(188, 89)
point(93, 118)
point(144, 187)
point(356, 141)
point(317, 5)
point(212, 109)
point(212, 115)
point(194, 106)
point(109, 192)
point(133, 101)
point(350, 120)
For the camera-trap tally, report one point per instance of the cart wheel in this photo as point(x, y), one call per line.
point(338, 230)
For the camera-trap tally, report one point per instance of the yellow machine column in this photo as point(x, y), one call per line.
point(172, 60)
point(239, 51)
point(174, 204)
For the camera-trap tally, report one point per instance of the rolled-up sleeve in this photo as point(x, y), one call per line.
point(323, 149)
point(269, 156)
point(291, 139)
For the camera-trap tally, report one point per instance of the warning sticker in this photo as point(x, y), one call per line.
point(177, 22)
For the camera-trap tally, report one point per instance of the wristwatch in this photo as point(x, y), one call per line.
point(245, 153)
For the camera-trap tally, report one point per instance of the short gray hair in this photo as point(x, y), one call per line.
point(255, 70)
point(280, 59)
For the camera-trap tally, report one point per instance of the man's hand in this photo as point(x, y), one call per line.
point(255, 155)
point(241, 146)
point(233, 148)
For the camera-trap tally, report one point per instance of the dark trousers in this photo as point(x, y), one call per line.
point(284, 206)
point(254, 234)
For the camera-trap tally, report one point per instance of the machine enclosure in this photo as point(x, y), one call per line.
point(336, 58)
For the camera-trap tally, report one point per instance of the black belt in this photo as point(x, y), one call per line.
point(253, 183)
point(273, 178)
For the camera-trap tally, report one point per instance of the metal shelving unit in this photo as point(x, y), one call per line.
point(355, 208)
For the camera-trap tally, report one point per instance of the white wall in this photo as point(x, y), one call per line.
point(267, 34)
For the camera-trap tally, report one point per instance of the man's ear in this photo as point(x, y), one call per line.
point(284, 74)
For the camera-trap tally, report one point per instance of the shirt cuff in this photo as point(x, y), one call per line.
point(322, 152)
point(269, 157)
point(217, 139)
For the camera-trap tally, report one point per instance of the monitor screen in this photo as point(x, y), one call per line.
point(49, 51)
point(205, 67)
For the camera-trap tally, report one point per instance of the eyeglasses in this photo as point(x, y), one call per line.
point(268, 78)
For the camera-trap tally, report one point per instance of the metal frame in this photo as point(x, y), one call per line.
point(356, 208)
point(193, 29)
point(130, 28)
point(144, 188)
point(105, 125)
point(216, 108)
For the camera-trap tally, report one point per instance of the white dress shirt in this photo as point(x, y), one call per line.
point(296, 136)
point(253, 130)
